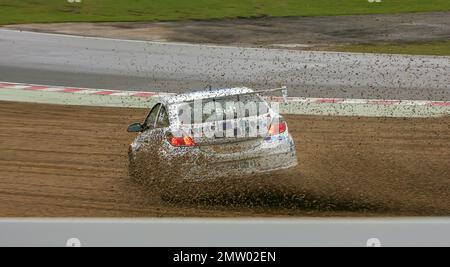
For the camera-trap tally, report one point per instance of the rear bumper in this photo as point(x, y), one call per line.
point(274, 159)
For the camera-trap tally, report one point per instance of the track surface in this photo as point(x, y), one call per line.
point(65, 161)
point(119, 64)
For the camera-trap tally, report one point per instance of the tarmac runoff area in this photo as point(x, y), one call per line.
point(295, 105)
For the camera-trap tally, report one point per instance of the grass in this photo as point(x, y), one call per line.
point(437, 48)
point(41, 11)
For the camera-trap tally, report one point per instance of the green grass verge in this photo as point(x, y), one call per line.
point(30, 11)
point(438, 48)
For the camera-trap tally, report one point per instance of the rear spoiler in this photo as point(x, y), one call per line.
point(283, 89)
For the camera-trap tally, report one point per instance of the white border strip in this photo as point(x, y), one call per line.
point(207, 232)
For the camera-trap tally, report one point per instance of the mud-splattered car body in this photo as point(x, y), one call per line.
point(168, 146)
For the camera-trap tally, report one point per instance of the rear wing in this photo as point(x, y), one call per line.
point(283, 89)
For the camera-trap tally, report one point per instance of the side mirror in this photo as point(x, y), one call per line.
point(135, 128)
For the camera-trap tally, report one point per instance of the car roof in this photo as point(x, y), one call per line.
point(204, 94)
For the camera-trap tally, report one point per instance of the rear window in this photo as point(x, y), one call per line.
point(223, 108)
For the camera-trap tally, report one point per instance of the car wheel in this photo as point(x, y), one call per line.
point(141, 172)
point(133, 173)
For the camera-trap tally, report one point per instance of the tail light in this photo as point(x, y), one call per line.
point(181, 141)
point(277, 128)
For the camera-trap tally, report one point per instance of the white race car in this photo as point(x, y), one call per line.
point(211, 134)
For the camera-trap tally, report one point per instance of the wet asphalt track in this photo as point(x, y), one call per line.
point(115, 64)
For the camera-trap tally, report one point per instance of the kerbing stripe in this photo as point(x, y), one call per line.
point(302, 100)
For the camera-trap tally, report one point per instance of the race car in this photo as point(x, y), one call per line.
point(211, 134)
